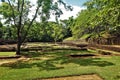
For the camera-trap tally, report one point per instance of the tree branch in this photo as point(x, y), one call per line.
point(18, 5)
point(21, 13)
point(24, 37)
point(13, 12)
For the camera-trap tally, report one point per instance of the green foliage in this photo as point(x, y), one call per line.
point(69, 39)
point(100, 17)
point(40, 32)
point(57, 32)
point(8, 32)
point(16, 13)
point(5, 10)
point(1, 32)
point(45, 32)
point(50, 31)
point(68, 24)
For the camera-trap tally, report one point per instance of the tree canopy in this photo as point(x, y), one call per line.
point(16, 13)
point(101, 17)
point(26, 21)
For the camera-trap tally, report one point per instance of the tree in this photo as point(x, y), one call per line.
point(58, 32)
point(68, 24)
point(16, 13)
point(38, 32)
point(107, 16)
point(101, 17)
point(1, 32)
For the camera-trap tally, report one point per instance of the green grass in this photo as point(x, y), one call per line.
point(57, 63)
point(85, 36)
point(69, 39)
point(7, 53)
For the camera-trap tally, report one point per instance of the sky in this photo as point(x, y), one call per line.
point(73, 2)
point(77, 7)
point(76, 2)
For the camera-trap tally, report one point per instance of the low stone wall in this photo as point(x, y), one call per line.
point(10, 57)
point(105, 41)
point(4, 42)
point(6, 48)
point(105, 47)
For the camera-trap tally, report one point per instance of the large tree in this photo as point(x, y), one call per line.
point(101, 18)
point(16, 12)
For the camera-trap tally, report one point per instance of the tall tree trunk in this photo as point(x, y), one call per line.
point(18, 48)
point(18, 41)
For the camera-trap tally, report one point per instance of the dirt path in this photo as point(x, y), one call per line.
point(3, 62)
point(82, 77)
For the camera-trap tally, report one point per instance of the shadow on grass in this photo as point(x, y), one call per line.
point(59, 59)
point(117, 77)
point(53, 52)
point(92, 62)
point(31, 54)
point(61, 51)
point(43, 65)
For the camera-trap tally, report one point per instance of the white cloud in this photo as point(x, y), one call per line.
point(66, 14)
point(0, 2)
point(73, 13)
point(33, 1)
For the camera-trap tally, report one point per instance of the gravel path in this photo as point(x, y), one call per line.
point(81, 77)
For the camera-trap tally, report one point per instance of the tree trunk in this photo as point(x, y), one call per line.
point(18, 48)
point(18, 41)
point(55, 41)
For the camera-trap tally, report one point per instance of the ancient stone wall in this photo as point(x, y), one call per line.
point(105, 41)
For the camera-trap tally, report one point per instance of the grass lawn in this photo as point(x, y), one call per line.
point(58, 63)
point(7, 53)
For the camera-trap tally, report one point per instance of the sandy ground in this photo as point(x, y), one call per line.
point(81, 77)
point(4, 62)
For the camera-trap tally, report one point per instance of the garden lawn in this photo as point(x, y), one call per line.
point(58, 63)
point(7, 53)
